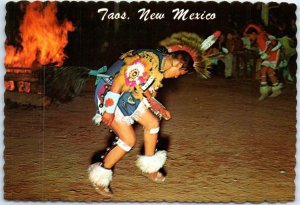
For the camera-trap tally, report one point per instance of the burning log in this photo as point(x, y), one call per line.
point(42, 41)
point(24, 87)
point(9, 85)
point(17, 75)
point(60, 84)
point(22, 79)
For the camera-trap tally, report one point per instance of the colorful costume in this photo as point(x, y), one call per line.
point(270, 53)
point(140, 72)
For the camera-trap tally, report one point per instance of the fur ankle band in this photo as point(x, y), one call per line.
point(98, 175)
point(150, 164)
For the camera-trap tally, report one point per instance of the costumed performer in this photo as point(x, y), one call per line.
point(269, 49)
point(125, 94)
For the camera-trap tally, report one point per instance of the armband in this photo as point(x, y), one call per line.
point(111, 101)
point(277, 46)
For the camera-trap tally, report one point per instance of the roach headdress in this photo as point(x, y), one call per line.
point(195, 46)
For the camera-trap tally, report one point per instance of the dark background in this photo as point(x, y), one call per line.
point(95, 42)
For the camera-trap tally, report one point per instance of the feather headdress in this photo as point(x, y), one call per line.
point(195, 46)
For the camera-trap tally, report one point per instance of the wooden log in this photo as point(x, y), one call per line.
point(29, 77)
point(27, 99)
point(37, 88)
point(18, 70)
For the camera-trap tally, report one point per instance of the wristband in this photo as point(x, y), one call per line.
point(111, 101)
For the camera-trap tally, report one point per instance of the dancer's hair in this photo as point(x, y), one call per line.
point(185, 58)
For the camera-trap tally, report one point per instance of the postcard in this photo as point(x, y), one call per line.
point(150, 101)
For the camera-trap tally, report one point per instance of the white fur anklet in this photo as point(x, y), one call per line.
point(99, 176)
point(150, 164)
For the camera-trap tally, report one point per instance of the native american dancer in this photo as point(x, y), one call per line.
point(269, 49)
point(125, 94)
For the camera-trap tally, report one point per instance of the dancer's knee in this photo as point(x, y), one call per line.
point(153, 127)
point(154, 130)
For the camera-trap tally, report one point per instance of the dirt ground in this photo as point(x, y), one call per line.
point(223, 146)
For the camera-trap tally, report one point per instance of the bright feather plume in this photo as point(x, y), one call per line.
point(191, 43)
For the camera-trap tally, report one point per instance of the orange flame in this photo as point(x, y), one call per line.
point(43, 38)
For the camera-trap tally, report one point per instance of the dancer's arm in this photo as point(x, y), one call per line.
point(116, 89)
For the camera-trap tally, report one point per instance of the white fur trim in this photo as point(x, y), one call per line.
point(150, 164)
point(265, 90)
point(277, 87)
point(139, 111)
point(123, 119)
point(99, 176)
point(130, 119)
point(97, 119)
